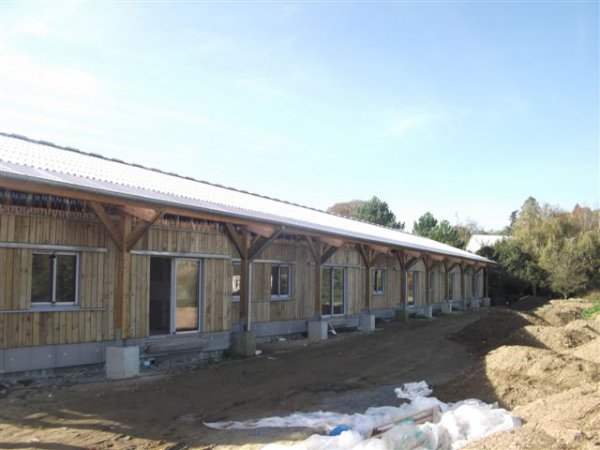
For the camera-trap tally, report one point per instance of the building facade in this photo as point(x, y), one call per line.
point(96, 253)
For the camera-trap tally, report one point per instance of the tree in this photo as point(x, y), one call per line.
point(346, 209)
point(378, 211)
point(425, 225)
point(446, 233)
point(429, 227)
point(565, 267)
point(552, 248)
point(374, 211)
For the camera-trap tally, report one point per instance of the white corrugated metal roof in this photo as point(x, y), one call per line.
point(41, 162)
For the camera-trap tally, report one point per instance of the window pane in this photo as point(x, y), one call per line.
point(187, 298)
point(284, 280)
point(378, 281)
point(41, 285)
point(338, 291)
point(66, 272)
point(275, 280)
point(326, 292)
point(236, 279)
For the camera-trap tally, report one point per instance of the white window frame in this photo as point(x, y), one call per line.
point(374, 278)
point(53, 301)
point(280, 296)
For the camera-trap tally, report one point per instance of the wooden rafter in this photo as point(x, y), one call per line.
point(328, 252)
point(141, 229)
point(265, 231)
point(261, 243)
point(112, 230)
point(235, 238)
point(145, 214)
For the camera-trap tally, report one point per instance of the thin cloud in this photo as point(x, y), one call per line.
point(406, 122)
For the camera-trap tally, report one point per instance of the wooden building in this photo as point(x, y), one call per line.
point(96, 252)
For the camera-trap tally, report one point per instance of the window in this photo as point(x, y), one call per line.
point(54, 278)
point(412, 287)
point(280, 281)
point(378, 281)
point(236, 281)
point(431, 286)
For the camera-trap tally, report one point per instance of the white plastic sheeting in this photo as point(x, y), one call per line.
point(460, 423)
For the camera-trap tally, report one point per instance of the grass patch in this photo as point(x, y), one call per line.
point(594, 298)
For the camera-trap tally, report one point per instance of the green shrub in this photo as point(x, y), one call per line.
point(594, 298)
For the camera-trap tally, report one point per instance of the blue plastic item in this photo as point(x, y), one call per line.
point(339, 430)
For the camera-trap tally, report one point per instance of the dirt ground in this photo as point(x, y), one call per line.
point(462, 355)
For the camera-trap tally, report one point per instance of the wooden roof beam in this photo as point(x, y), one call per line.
point(141, 229)
point(145, 214)
point(108, 224)
point(263, 242)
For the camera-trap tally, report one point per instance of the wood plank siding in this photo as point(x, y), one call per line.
point(20, 324)
point(25, 230)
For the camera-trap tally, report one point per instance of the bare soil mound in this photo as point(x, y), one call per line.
point(549, 337)
point(546, 368)
point(567, 420)
point(561, 312)
point(528, 303)
point(589, 326)
point(491, 331)
point(517, 375)
point(589, 351)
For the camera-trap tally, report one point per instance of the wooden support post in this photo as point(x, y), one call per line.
point(429, 264)
point(123, 285)
point(320, 253)
point(368, 255)
point(486, 282)
point(318, 289)
point(244, 293)
point(402, 261)
point(463, 291)
point(248, 249)
point(446, 264)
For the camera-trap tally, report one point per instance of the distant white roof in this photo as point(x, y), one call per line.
point(41, 162)
point(479, 241)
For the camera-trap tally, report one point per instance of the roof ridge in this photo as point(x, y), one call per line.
point(185, 177)
point(152, 169)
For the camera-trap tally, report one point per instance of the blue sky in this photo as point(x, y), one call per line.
point(464, 109)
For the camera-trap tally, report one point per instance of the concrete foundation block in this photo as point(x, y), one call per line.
point(426, 311)
point(366, 322)
point(487, 301)
point(243, 343)
point(474, 303)
point(446, 308)
point(122, 362)
point(317, 331)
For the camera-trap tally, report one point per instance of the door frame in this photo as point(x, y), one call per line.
point(344, 270)
point(173, 296)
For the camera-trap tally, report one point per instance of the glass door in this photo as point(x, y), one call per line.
point(187, 295)
point(333, 291)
